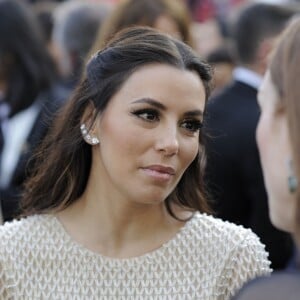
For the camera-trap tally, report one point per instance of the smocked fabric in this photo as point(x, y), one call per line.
point(207, 259)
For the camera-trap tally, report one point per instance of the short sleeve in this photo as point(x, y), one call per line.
point(247, 260)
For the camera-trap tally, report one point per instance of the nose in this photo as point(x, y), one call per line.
point(167, 141)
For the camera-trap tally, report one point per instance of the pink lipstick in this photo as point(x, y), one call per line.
point(159, 172)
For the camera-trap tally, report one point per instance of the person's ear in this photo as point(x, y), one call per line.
point(87, 125)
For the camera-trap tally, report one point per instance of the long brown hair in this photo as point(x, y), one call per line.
point(285, 73)
point(64, 160)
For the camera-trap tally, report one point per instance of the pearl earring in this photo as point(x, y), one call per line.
point(88, 138)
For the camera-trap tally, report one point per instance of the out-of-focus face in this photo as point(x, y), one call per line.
point(222, 75)
point(275, 150)
point(166, 24)
point(149, 134)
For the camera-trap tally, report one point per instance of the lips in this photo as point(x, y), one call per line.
point(159, 173)
point(161, 169)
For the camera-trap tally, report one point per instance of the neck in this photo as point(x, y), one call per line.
point(118, 229)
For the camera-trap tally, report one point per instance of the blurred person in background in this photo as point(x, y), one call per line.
point(234, 175)
point(44, 14)
point(210, 23)
point(203, 10)
point(29, 97)
point(207, 37)
point(76, 23)
point(223, 63)
point(278, 142)
point(168, 16)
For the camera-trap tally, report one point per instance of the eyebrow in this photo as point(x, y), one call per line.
point(194, 113)
point(152, 102)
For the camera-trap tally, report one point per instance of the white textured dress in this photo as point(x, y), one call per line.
point(207, 259)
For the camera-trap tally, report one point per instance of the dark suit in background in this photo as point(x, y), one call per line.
point(234, 174)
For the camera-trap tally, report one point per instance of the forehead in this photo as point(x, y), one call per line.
point(162, 82)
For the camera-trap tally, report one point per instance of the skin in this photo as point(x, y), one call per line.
point(166, 24)
point(151, 123)
point(275, 151)
point(222, 75)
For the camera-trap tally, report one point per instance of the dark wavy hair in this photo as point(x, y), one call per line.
point(64, 159)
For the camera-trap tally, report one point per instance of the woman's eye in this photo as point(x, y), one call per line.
point(147, 115)
point(192, 125)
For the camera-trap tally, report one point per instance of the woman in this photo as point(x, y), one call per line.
point(118, 210)
point(279, 144)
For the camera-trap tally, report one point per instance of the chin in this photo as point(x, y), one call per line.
point(154, 200)
point(282, 211)
point(154, 195)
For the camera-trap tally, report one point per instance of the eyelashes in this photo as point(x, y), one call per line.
point(149, 115)
point(192, 125)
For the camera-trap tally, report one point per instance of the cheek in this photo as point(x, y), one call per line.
point(124, 143)
point(265, 142)
point(274, 150)
point(261, 136)
point(267, 155)
point(121, 143)
point(189, 152)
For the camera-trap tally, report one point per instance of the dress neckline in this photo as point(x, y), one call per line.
point(143, 258)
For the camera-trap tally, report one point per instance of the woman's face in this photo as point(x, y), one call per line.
point(275, 151)
point(149, 134)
